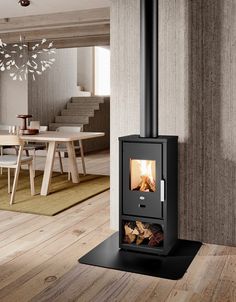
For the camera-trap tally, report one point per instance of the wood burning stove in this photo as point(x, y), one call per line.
point(148, 163)
point(148, 193)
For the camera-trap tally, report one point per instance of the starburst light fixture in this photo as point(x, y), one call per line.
point(22, 60)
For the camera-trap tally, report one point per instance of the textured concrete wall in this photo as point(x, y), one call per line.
point(13, 98)
point(50, 92)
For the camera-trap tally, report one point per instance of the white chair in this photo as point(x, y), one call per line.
point(2, 127)
point(15, 162)
point(34, 125)
point(62, 147)
point(34, 147)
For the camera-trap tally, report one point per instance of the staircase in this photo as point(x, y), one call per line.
point(92, 113)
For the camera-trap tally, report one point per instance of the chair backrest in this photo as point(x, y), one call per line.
point(11, 140)
point(74, 129)
point(43, 128)
point(4, 127)
point(34, 125)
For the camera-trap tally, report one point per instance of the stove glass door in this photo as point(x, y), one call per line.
point(142, 175)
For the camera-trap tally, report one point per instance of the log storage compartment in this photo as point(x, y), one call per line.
point(143, 234)
point(148, 193)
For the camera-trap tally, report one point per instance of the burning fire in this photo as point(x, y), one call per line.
point(147, 183)
point(146, 168)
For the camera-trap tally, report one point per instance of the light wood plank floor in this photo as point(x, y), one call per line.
point(38, 262)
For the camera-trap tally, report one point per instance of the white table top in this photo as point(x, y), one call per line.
point(57, 136)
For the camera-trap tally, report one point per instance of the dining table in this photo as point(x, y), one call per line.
point(52, 138)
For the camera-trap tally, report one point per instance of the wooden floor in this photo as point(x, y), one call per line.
point(38, 261)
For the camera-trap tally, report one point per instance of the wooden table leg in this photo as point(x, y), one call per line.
point(48, 168)
point(72, 164)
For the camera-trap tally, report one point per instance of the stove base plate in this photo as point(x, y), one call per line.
point(108, 255)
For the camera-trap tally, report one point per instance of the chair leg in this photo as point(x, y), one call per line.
point(34, 161)
point(32, 174)
point(17, 171)
point(9, 180)
point(60, 161)
point(26, 153)
point(82, 156)
point(1, 155)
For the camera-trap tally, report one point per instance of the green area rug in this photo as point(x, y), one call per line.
point(63, 193)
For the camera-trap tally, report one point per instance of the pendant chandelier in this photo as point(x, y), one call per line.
point(22, 60)
point(24, 2)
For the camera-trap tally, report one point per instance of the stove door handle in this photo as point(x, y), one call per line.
point(162, 190)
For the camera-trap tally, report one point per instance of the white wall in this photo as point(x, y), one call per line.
point(85, 66)
point(13, 99)
point(102, 70)
point(43, 98)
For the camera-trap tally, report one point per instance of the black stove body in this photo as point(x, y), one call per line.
point(155, 208)
point(148, 163)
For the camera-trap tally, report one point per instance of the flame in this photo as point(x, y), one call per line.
point(143, 175)
point(146, 168)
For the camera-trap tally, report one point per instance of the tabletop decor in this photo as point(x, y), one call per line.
point(24, 129)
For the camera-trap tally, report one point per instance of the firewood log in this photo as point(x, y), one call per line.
point(132, 224)
point(144, 229)
point(139, 239)
point(126, 239)
point(147, 233)
point(135, 231)
point(140, 227)
point(129, 237)
point(156, 239)
point(144, 232)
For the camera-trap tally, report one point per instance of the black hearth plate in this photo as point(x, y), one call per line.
point(173, 266)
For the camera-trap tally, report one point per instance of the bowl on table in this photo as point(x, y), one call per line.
point(29, 131)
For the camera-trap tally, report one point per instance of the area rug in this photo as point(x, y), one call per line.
point(63, 193)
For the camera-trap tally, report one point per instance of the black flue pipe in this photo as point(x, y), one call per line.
point(149, 68)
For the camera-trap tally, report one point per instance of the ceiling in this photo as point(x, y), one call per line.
point(11, 8)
